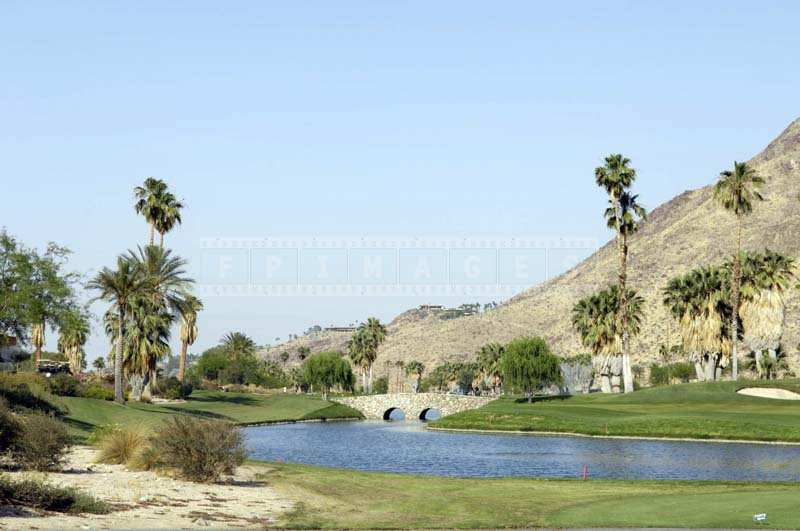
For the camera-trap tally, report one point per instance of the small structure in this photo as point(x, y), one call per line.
point(414, 405)
point(340, 329)
point(52, 366)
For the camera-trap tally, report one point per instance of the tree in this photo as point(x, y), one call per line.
point(164, 274)
point(74, 331)
point(373, 334)
point(356, 351)
point(415, 368)
point(765, 277)
point(699, 302)
point(146, 342)
point(303, 353)
point(528, 364)
point(99, 364)
point(189, 309)
point(737, 191)
point(596, 319)
point(150, 202)
point(284, 357)
point(623, 216)
point(328, 370)
point(238, 343)
point(169, 216)
point(399, 364)
point(119, 287)
point(489, 364)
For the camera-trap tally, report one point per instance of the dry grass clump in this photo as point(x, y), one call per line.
point(119, 445)
point(42, 442)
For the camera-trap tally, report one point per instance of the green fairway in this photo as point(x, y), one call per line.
point(696, 410)
point(85, 414)
point(333, 498)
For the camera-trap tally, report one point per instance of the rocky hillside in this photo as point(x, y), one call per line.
point(681, 234)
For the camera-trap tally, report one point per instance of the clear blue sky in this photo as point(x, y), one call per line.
point(370, 117)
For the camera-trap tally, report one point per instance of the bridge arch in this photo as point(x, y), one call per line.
point(412, 404)
point(387, 415)
point(430, 413)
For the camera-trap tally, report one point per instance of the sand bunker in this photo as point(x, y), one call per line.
point(769, 392)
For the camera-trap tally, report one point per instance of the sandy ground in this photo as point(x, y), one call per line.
point(144, 500)
point(769, 392)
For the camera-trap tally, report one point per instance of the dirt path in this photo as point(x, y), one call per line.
point(144, 500)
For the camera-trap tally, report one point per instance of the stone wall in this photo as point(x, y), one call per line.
point(412, 404)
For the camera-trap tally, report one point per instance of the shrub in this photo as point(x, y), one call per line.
point(173, 389)
point(28, 391)
point(39, 495)
point(63, 384)
point(199, 450)
point(9, 426)
point(381, 385)
point(663, 374)
point(118, 445)
point(99, 391)
point(42, 443)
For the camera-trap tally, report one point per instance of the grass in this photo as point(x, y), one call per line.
point(334, 498)
point(86, 414)
point(697, 410)
point(38, 494)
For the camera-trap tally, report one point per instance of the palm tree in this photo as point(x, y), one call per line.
point(238, 343)
point(489, 363)
point(303, 352)
point(164, 273)
point(400, 364)
point(596, 319)
point(765, 278)
point(374, 334)
point(623, 216)
point(169, 216)
point(356, 351)
point(284, 357)
point(699, 301)
point(119, 287)
point(737, 191)
point(146, 342)
point(149, 202)
point(189, 309)
point(73, 334)
point(415, 368)
point(38, 339)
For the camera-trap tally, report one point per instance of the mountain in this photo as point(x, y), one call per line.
point(686, 232)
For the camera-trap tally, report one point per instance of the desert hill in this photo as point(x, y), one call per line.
point(688, 231)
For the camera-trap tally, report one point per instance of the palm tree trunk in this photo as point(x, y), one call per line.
point(152, 234)
point(118, 394)
point(161, 237)
point(737, 279)
point(627, 374)
point(182, 363)
point(370, 377)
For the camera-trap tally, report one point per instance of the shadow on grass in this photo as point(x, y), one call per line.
point(197, 413)
point(242, 400)
point(538, 399)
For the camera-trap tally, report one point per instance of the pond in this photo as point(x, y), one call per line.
point(407, 447)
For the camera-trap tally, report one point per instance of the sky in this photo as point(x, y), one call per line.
point(369, 119)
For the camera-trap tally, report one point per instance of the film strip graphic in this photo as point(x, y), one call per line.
point(385, 266)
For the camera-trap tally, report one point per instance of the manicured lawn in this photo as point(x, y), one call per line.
point(696, 410)
point(85, 414)
point(333, 498)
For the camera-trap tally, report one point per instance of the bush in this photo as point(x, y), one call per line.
point(63, 384)
point(119, 445)
point(99, 392)
point(42, 443)
point(28, 391)
point(39, 495)
point(381, 385)
point(10, 428)
point(173, 389)
point(199, 450)
point(663, 374)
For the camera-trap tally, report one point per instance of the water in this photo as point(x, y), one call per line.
point(406, 447)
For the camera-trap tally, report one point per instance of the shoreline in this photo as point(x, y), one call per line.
point(625, 437)
point(298, 421)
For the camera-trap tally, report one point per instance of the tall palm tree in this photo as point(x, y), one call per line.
point(737, 191)
point(146, 342)
point(119, 287)
point(165, 274)
point(399, 364)
point(74, 331)
point(149, 202)
point(374, 335)
point(356, 350)
point(169, 216)
point(238, 344)
point(489, 363)
point(623, 216)
point(188, 309)
point(416, 369)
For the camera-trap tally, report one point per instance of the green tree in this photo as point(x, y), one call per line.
point(284, 357)
point(737, 191)
point(99, 364)
point(416, 369)
point(150, 201)
point(327, 370)
point(169, 216)
point(489, 363)
point(303, 353)
point(528, 365)
point(373, 334)
point(238, 343)
point(74, 330)
point(188, 309)
point(623, 216)
point(119, 287)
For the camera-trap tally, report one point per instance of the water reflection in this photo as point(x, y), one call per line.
point(407, 447)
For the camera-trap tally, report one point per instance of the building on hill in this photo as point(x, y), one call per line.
point(340, 329)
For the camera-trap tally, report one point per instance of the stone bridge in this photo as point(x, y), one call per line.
point(413, 405)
